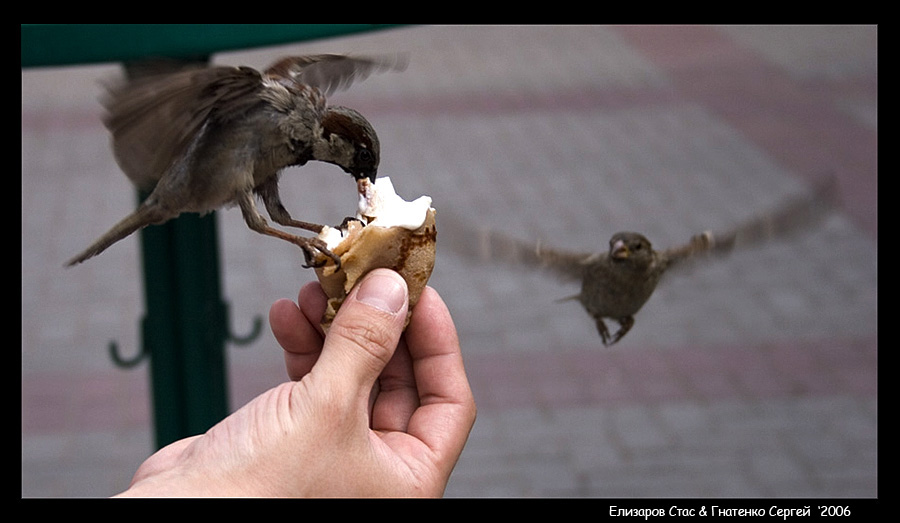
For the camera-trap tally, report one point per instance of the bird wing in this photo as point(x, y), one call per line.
point(566, 265)
point(704, 244)
point(153, 119)
point(333, 72)
point(787, 218)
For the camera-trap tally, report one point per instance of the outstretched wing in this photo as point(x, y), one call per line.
point(790, 216)
point(333, 72)
point(495, 247)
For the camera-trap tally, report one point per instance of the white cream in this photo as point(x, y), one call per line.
point(380, 206)
point(332, 236)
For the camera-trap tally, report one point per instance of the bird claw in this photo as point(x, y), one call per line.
point(604, 332)
point(616, 337)
point(610, 340)
point(312, 248)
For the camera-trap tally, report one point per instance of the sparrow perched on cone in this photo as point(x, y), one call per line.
point(200, 138)
point(615, 284)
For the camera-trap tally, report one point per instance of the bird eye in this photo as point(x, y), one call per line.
point(365, 156)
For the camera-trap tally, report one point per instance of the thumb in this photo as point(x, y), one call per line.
point(366, 330)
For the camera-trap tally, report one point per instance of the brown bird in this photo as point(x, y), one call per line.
point(615, 284)
point(200, 138)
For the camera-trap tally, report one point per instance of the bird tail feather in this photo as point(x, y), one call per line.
point(141, 217)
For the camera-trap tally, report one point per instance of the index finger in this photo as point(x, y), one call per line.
point(297, 331)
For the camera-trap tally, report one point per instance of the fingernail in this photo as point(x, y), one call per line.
point(382, 290)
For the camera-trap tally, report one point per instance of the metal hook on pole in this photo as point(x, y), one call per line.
point(125, 363)
point(254, 333)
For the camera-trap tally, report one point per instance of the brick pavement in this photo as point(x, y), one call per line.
point(752, 377)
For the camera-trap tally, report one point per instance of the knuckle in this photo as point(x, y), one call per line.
point(373, 338)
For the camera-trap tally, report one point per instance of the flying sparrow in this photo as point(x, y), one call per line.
point(615, 284)
point(201, 138)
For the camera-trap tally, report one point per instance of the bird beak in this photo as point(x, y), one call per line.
point(370, 175)
point(620, 250)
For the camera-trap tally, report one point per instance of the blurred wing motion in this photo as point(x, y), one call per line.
point(156, 114)
point(496, 247)
point(332, 72)
point(791, 216)
point(617, 283)
point(154, 119)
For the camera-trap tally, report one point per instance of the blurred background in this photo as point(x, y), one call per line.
point(751, 376)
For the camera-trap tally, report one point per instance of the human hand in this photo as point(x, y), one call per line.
point(372, 413)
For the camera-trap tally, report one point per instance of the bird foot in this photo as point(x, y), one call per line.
point(312, 247)
point(604, 332)
point(609, 340)
point(626, 324)
point(615, 338)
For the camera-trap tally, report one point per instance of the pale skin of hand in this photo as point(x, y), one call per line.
point(369, 412)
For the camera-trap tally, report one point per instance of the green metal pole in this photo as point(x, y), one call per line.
point(185, 327)
point(204, 325)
